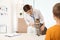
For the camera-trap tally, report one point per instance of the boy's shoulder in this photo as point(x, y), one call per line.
point(54, 27)
point(51, 28)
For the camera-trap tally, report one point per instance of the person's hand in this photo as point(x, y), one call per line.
point(31, 24)
point(42, 28)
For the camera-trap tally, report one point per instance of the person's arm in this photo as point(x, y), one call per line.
point(42, 26)
point(28, 19)
point(41, 18)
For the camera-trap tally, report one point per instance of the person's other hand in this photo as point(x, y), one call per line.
point(31, 24)
point(42, 28)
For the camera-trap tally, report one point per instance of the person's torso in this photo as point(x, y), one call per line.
point(36, 14)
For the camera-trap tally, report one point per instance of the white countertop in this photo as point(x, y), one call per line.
point(22, 36)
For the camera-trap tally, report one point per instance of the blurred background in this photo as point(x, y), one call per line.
point(10, 13)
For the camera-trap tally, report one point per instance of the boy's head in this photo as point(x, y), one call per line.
point(28, 9)
point(56, 11)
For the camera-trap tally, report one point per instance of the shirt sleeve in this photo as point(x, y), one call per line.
point(48, 36)
point(28, 19)
point(41, 17)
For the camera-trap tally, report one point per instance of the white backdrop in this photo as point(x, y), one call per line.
point(6, 18)
point(45, 6)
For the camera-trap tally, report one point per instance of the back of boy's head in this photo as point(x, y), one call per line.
point(56, 10)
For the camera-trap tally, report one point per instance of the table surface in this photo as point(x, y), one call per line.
point(23, 36)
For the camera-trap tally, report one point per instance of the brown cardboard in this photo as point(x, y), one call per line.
point(22, 26)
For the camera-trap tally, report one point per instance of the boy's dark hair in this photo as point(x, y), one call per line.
point(26, 7)
point(56, 10)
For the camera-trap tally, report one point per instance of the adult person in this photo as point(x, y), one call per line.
point(35, 14)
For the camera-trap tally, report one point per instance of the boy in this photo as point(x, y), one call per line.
point(54, 32)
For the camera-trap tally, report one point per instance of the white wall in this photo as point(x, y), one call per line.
point(17, 9)
point(6, 19)
point(45, 6)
